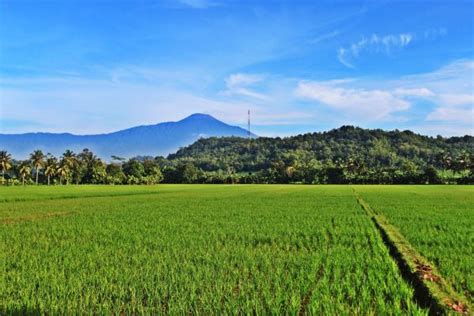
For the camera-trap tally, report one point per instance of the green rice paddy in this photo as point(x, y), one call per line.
point(217, 249)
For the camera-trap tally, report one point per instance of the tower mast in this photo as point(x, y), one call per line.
point(248, 124)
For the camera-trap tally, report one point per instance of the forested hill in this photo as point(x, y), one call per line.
point(349, 148)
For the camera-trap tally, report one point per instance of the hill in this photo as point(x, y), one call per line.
point(351, 151)
point(159, 139)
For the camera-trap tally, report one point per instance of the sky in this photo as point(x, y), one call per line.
point(90, 67)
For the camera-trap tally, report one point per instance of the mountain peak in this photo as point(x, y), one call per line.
point(200, 116)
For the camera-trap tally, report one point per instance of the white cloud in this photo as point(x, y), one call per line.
point(239, 79)
point(373, 43)
point(384, 44)
point(457, 99)
point(237, 84)
point(414, 92)
point(452, 88)
point(367, 104)
point(443, 95)
point(444, 129)
point(457, 115)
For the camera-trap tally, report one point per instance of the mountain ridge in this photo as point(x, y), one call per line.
point(156, 139)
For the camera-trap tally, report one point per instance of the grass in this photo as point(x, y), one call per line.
point(432, 290)
point(436, 220)
point(198, 249)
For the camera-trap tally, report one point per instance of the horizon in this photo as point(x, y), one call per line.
point(98, 67)
point(243, 128)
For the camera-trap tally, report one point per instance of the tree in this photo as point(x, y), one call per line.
point(97, 170)
point(68, 163)
point(74, 165)
point(25, 170)
point(431, 175)
point(115, 174)
point(133, 168)
point(37, 159)
point(5, 163)
point(153, 172)
point(187, 172)
point(50, 167)
point(91, 169)
point(63, 172)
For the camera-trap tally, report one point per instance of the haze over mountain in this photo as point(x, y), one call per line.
point(159, 139)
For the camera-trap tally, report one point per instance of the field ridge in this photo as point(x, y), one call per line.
point(431, 289)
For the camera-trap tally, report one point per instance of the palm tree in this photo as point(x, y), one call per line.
point(37, 159)
point(69, 159)
point(5, 163)
point(63, 171)
point(25, 170)
point(50, 167)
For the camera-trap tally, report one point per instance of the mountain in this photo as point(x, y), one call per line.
point(159, 139)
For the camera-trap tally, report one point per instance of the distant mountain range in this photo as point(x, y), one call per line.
point(155, 140)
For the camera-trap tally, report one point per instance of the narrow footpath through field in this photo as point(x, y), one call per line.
point(431, 289)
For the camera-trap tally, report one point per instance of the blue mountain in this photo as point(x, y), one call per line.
point(150, 140)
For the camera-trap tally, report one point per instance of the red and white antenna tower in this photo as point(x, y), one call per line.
point(248, 124)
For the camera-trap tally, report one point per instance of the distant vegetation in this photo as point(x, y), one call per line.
point(344, 155)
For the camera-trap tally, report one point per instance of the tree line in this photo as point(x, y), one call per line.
point(345, 155)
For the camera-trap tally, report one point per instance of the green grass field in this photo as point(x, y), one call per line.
point(438, 221)
point(204, 249)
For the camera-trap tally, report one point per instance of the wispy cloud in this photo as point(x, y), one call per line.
point(360, 103)
point(456, 115)
point(373, 43)
point(238, 84)
point(198, 4)
point(324, 37)
point(414, 92)
point(434, 33)
point(385, 44)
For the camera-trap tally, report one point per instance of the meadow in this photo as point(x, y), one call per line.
point(207, 249)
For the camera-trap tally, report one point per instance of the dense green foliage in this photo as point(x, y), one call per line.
point(438, 221)
point(345, 155)
point(179, 249)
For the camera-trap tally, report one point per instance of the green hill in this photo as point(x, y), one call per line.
point(346, 154)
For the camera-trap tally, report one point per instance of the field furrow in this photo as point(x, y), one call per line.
point(437, 221)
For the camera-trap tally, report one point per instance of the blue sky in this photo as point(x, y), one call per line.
point(99, 66)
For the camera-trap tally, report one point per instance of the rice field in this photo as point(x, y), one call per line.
point(217, 249)
point(438, 221)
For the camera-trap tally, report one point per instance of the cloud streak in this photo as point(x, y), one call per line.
point(373, 43)
point(238, 84)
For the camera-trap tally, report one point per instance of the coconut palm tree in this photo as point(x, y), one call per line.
point(5, 163)
point(25, 170)
point(70, 160)
point(50, 167)
point(63, 171)
point(37, 159)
